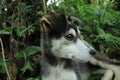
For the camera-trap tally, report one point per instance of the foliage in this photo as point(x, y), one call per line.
point(6, 31)
point(95, 77)
point(2, 67)
point(19, 22)
point(34, 78)
point(27, 52)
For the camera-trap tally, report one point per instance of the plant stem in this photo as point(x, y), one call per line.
point(3, 56)
point(44, 6)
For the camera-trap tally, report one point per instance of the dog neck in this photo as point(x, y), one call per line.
point(54, 61)
point(51, 65)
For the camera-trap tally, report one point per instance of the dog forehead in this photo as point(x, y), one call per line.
point(72, 31)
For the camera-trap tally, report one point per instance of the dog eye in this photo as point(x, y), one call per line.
point(69, 37)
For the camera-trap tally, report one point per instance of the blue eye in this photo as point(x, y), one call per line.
point(69, 37)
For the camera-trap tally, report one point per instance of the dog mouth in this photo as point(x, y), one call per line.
point(82, 60)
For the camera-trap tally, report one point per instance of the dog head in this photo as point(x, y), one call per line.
point(65, 39)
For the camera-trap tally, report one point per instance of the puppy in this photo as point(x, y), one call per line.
point(62, 47)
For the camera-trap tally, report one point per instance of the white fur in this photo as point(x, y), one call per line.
point(72, 50)
point(108, 75)
point(59, 73)
point(72, 31)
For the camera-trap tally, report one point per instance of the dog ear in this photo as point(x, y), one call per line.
point(54, 21)
point(45, 24)
point(75, 20)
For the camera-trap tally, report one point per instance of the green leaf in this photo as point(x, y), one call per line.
point(22, 31)
point(28, 52)
point(37, 78)
point(27, 66)
point(2, 66)
point(6, 31)
point(28, 9)
point(109, 39)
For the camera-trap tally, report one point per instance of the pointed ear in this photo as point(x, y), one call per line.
point(75, 20)
point(54, 21)
point(45, 24)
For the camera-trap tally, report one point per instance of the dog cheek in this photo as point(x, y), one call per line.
point(56, 46)
point(69, 52)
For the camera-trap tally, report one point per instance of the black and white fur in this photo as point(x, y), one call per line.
point(61, 48)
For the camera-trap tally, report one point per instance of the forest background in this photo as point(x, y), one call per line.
point(20, 33)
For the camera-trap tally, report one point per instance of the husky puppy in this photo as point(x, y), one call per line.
point(62, 47)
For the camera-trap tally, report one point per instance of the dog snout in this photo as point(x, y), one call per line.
point(92, 52)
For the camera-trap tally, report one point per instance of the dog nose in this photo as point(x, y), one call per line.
point(92, 52)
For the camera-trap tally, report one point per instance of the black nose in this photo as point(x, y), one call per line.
point(92, 52)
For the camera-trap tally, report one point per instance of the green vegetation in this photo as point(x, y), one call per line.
point(20, 35)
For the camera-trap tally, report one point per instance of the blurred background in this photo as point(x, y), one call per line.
point(20, 32)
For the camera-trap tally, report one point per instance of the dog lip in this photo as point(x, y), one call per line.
point(85, 61)
point(82, 61)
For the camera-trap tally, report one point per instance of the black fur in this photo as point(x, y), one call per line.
point(59, 25)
